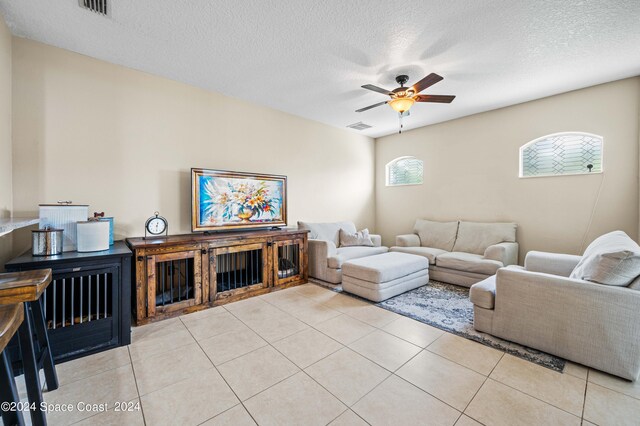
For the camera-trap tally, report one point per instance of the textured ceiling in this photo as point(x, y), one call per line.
point(310, 57)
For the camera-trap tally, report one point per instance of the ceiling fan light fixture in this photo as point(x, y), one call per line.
point(401, 104)
point(402, 98)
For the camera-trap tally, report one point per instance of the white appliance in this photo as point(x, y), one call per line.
point(93, 235)
point(64, 215)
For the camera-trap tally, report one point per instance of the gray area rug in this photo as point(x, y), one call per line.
point(447, 307)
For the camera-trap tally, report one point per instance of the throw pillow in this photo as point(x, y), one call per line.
point(611, 259)
point(360, 238)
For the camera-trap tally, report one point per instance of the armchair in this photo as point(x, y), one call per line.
point(325, 254)
point(540, 306)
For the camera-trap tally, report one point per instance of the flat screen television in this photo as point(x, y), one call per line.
point(223, 200)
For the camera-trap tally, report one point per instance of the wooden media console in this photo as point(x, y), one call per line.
point(185, 273)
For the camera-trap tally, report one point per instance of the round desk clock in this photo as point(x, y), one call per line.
point(156, 225)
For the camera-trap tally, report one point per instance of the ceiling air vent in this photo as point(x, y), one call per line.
point(359, 126)
point(97, 6)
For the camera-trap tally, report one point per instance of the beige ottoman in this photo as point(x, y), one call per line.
point(384, 275)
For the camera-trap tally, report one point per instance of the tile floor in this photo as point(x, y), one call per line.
point(307, 355)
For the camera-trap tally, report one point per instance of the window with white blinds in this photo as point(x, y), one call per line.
point(404, 171)
point(570, 153)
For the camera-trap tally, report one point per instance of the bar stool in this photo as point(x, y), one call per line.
point(11, 317)
point(27, 287)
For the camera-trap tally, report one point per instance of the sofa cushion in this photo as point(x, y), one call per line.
point(475, 237)
point(347, 253)
point(429, 252)
point(360, 238)
point(551, 263)
point(611, 259)
point(440, 235)
point(327, 231)
point(483, 293)
point(384, 267)
point(468, 262)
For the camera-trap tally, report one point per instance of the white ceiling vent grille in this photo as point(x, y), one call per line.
point(97, 6)
point(359, 126)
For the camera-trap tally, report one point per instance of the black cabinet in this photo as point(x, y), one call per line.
point(88, 303)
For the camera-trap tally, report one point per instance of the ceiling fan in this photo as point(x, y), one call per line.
point(403, 98)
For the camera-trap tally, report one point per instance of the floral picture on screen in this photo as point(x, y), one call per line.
point(226, 200)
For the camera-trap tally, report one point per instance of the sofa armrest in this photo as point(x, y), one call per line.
point(321, 249)
point(507, 253)
point(376, 239)
point(551, 263)
point(319, 252)
point(408, 240)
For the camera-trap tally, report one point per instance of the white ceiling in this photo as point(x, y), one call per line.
point(310, 57)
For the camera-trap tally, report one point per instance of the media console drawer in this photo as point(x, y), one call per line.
point(185, 273)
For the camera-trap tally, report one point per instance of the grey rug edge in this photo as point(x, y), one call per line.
point(556, 363)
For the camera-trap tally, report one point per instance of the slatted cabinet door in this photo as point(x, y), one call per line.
point(239, 270)
point(79, 307)
point(288, 257)
point(174, 281)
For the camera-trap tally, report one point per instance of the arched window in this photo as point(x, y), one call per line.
point(404, 171)
point(568, 153)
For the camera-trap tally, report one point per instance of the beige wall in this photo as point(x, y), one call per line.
point(124, 141)
point(471, 171)
point(6, 203)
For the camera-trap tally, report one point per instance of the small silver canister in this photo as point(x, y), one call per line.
point(46, 242)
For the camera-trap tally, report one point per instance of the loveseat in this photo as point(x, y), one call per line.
point(326, 256)
point(582, 308)
point(460, 252)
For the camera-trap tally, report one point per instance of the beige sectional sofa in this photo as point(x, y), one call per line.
point(325, 254)
point(583, 308)
point(460, 252)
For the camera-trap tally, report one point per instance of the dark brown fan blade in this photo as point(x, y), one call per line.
point(442, 99)
point(376, 89)
point(428, 81)
point(371, 106)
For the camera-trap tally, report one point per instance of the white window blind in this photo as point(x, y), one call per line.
point(405, 171)
point(562, 154)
